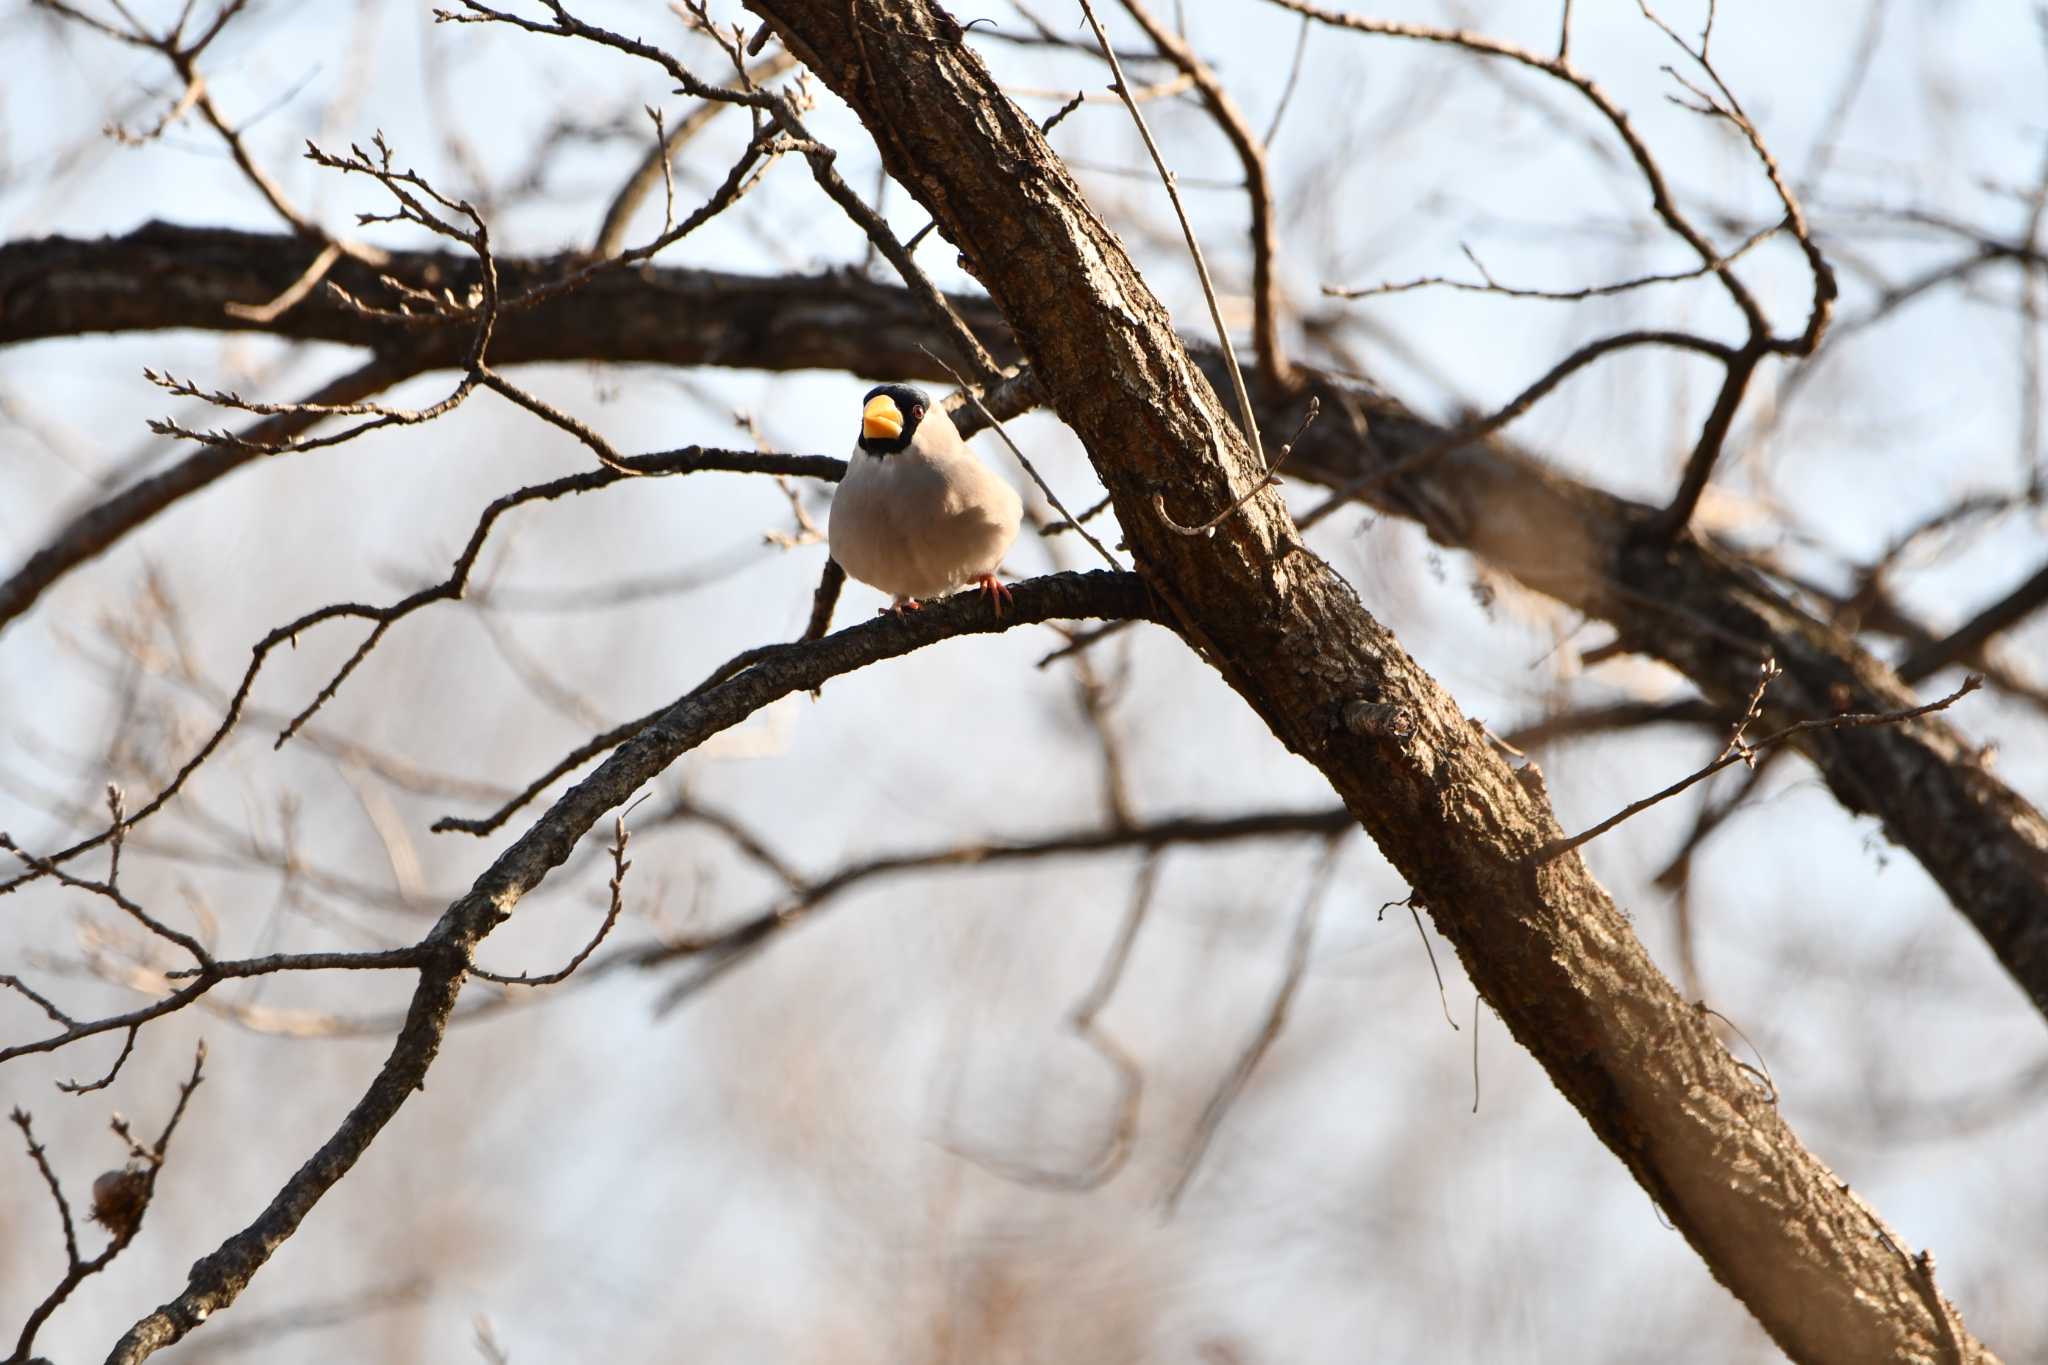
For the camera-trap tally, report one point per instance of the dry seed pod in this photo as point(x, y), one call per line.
point(118, 1198)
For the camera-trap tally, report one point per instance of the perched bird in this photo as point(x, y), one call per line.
point(917, 515)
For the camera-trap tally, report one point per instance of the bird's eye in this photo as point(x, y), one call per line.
point(916, 411)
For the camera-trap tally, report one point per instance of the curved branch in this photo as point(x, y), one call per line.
point(692, 459)
point(1173, 831)
point(1741, 365)
point(1560, 67)
point(445, 954)
point(653, 168)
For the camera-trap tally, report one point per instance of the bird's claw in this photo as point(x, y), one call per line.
point(993, 587)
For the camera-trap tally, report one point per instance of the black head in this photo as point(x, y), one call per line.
point(889, 417)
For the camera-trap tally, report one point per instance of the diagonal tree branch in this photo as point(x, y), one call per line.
point(1970, 637)
point(1546, 946)
point(446, 953)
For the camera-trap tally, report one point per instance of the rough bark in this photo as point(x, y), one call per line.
point(1715, 619)
point(1542, 940)
point(162, 276)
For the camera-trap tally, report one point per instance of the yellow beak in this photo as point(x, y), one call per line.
point(881, 420)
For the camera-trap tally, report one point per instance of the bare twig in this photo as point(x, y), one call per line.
point(1274, 365)
point(1246, 416)
point(1487, 284)
point(722, 949)
point(1762, 1070)
point(1741, 751)
point(262, 314)
point(1740, 363)
point(1970, 637)
point(1240, 1074)
point(1287, 89)
point(120, 1198)
point(783, 110)
point(445, 954)
point(603, 743)
point(199, 980)
point(1560, 68)
point(654, 168)
point(1114, 1151)
point(1508, 412)
point(1854, 73)
point(831, 579)
point(100, 525)
point(74, 1087)
point(684, 461)
point(111, 893)
point(196, 94)
point(618, 885)
point(1413, 906)
point(1079, 640)
point(1056, 528)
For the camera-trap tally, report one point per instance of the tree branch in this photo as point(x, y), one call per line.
point(445, 954)
point(1291, 638)
point(1700, 609)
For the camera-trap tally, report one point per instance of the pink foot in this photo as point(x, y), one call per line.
point(903, 604)
point(995, 590)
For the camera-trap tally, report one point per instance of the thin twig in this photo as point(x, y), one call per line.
point(1271, 479)
point(1502, 416)
point(1274, 365)
point(690, 459)
point(656, 165)
point(1411, 903)
point(1244, 399)
point(1762, 1069)
point(1233, 1084)
point(1114, 1150)
point(1745, 753)
point(1025, 460)
point(120, 1199)
point(620, 864)
point(1487, 284)
point(1293, 79)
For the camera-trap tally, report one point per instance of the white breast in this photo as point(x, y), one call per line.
point(924, 521)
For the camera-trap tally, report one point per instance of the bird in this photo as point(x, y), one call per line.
point(918, 514)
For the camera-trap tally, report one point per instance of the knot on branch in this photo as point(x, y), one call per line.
point(1380, 720)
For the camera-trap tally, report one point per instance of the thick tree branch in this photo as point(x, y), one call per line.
point(1545, 945)
point(1698, 608)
